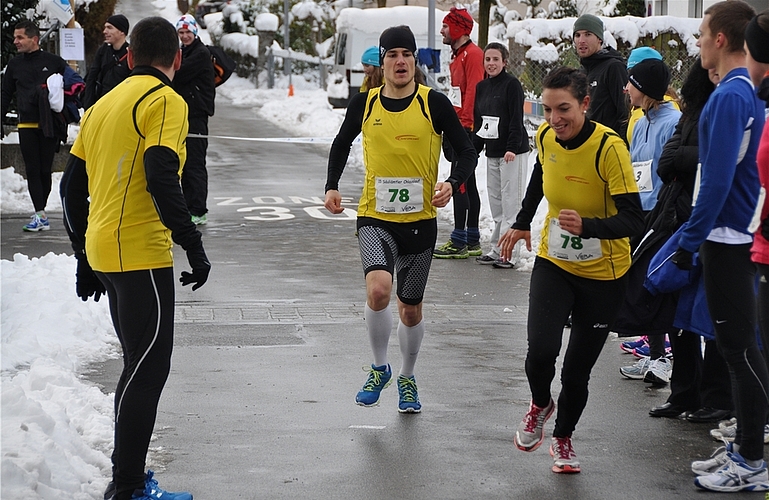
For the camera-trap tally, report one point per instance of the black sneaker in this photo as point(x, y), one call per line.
point(502, 264)
point(485, 260)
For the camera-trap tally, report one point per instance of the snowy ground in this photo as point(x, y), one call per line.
point(56, 429)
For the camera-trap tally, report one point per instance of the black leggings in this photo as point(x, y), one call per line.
point(553, 294)
point(194, 174)
point(729, 277)
point(467, 204)
point(763, 309)
point(38, 152)
point(142, 308)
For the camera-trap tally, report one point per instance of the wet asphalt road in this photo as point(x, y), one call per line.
point(269, 352)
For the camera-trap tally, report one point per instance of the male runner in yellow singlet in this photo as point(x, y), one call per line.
point(401, 123)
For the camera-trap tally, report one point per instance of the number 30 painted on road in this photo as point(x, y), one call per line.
point(273, 213)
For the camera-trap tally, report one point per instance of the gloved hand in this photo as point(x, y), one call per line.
point(200, 268)
point(765, 228)
point(86, 281)
point(683, 259)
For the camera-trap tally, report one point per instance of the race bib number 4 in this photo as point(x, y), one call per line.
point(563, 245)
point(489, 129)
point(643, 175)
point(398, 195)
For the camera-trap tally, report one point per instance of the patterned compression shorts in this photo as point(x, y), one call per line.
point(380, 250)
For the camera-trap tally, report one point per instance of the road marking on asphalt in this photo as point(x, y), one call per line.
point(374, 427)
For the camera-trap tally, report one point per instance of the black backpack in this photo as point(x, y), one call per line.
point(223, 64)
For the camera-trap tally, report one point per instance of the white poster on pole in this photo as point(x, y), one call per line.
point(72, 44)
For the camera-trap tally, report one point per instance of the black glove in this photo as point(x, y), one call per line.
point(765, 228)
point(86, 281)
point(200, 268)
point(683, 259)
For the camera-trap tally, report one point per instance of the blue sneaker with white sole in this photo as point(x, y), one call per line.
point(408, 397)
point(153, 492)
point(38, 223)
point(379, 378)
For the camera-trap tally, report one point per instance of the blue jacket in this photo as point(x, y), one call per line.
point(664, 276)
point(732, 119)
point(649, 137)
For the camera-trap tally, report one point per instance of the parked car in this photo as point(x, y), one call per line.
point(207, 7)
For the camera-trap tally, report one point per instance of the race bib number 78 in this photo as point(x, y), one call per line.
point(399, 195)
point(563, 245)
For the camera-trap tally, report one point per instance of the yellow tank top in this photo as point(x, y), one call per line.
point(584, 179)
point(401, 152)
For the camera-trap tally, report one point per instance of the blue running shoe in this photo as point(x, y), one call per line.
point(408, 396)
point(38, 223)
point(644, 351)
point(379, 378)
point(153, 492)
point(632, 345)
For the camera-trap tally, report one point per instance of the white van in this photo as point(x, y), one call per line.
point(359, 29)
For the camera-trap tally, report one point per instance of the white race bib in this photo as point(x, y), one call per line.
point(489, 128)
point(755, 222)
point(455, 96)
point(697, 179)
point(563, 245)
point(643, 176)
point(399, 195)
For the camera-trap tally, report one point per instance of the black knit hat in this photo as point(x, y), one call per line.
point(757, 40)
point(120, 22)
point(397, 37)
point(652, 77)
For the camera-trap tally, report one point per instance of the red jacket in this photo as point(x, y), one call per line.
point(760, 244)
point(466, 71)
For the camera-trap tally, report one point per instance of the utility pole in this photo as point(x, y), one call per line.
point(286, 44)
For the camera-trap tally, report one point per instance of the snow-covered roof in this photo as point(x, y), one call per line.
point(375, 21)
point(538, 32)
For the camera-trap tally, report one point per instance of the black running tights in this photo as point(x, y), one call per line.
point(594, 304)
point(729, 277)
point(38, 152)
point(142, 308)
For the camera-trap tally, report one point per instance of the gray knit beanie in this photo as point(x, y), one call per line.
point(591, 23)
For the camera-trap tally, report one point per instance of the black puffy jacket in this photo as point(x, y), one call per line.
point(195, 79)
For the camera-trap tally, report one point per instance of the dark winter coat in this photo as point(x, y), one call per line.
point(109, 68)
point(24, 76)
point(195, 79)
point(606, 78)
point(680, 156)
point(502, 97)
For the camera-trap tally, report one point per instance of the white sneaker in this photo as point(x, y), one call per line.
point(638, 370)
point(659, 371)
point(727, 432)
point(717, 460)
point(735, 475)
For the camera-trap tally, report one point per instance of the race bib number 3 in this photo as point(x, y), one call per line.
point(563, 245)
point(398, 195)
point(643, 175)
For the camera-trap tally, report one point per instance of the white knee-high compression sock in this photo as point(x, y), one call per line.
point(379, 325)
point(410, 340)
